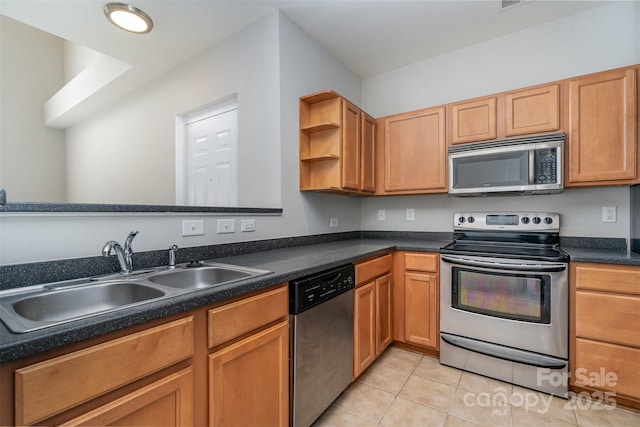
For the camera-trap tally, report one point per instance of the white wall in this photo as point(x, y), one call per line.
point(301, 66)
point(127, 154)
point(599, 39)
point(580, 210)
point(306, 67)
point(31, 156)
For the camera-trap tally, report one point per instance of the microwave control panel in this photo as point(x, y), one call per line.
point(546, 161)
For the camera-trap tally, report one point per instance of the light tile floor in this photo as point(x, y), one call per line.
point(404, 388)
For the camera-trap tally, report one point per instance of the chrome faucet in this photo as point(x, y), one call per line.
point(125, 255)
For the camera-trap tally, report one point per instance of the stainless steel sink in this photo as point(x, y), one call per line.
point(43, 307)
point(81, 301)
point(201, 277)
point(36, 307)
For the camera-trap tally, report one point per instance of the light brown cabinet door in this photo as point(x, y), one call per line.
point(368, 137)
point(533, 110)
point(593, 356)
point(249, 381)
point(364, 348)
point(415, 151)
point(602, 124)
point(473, 121)
point(350, 146)
point(167, 402)
point(421, 309)
point(384, 332)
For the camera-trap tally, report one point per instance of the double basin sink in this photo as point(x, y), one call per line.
point(36, 307)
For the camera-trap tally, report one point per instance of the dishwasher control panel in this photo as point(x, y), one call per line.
point(309, 291)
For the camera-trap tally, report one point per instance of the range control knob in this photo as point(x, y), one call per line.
point(548, 220)
point(461, 220)
point(536, 220)
point(525, 220)
point(471, 220)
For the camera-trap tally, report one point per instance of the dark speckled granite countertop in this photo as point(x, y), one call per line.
point(604, 256)
point(286, 264)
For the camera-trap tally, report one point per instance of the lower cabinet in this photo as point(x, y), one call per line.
point(248, 380)
point(605, 330)
point(249, 365)
point(227, 365)
point(167, 402)
point(417, 299)
point(372, 311)
point(51, 387)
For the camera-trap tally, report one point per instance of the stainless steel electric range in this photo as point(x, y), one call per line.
point(504, 299)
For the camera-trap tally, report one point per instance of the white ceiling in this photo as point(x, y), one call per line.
point(368, 36)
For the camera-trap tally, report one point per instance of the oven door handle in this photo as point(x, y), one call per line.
point(553, 267)
point(504, 353)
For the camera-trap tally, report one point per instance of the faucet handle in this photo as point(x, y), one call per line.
point(172, 256)
point(127, 243)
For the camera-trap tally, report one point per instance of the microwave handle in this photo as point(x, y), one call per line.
point(503, 266)
point(532, 167)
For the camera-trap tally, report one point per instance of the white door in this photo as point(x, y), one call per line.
point(212, 165)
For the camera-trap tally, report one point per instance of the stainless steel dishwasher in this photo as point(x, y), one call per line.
point(321, 362)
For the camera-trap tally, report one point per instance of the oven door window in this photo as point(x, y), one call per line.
point(523, 297)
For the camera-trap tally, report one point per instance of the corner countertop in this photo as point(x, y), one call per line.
point(602, 256)
point(286, 264)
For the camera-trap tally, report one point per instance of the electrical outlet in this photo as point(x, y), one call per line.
point(411, 215)
point(609, 214)
point(193, 227)
point(333, 222)
point(382, 215)
point(247, 225)
point(226, 226)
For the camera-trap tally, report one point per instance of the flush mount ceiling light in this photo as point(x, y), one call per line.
point(128, 18)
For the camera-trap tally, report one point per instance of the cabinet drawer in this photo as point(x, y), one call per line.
point(53, 386)
point(612, 278)
point(235, 319)
point(421, 262)
point(365, 271)
point(593, 356)
point(608, 317)
point(166, 402)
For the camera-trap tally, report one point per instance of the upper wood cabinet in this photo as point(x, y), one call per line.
point(415, 152)
point(473, 120)
point(532, 110)
point(602, 126)
point(519, 112)
point(336, 145)
point(368, 167)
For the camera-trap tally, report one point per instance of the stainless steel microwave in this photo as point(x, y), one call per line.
point(524, 165)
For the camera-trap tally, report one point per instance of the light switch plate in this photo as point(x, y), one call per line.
point(333, 222)
point(382, 215)
point(247, 225)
